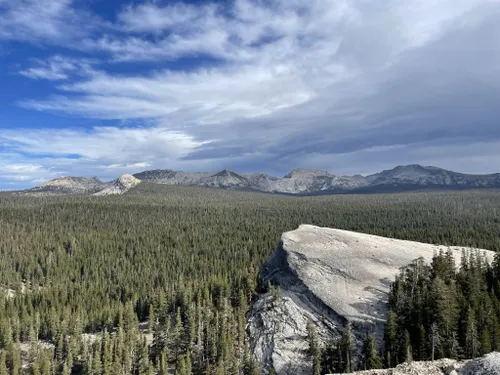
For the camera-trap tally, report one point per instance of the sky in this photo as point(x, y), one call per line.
point(106, 87)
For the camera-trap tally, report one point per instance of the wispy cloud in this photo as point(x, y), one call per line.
point(43, 21)
point(149, 17)
point(58, 68)
point(30, 155)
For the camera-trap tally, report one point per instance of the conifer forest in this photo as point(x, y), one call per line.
point(159, 280)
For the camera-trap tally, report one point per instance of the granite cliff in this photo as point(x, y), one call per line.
point(326, 277)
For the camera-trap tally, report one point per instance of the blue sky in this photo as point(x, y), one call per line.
point(100, 87)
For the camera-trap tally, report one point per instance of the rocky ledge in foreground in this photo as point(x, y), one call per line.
point(487, 365)
point(326, 276)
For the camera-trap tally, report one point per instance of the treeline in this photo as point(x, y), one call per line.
point(440, 311)
point(161, 279)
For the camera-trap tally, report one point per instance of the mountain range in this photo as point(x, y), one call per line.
point(297, 181)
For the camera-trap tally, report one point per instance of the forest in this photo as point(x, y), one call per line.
point(159, 280)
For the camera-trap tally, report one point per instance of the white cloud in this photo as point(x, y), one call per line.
point(149, 17)
point(58, 68)
point(275, 83)
point(15, 171)
point(52, 21)
point(110, 144)
point(108, 152)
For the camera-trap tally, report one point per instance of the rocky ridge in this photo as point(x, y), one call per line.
point(69, 185)
point(326, 276)
point(298, 181)
point(308, 181)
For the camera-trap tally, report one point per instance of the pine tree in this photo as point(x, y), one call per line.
point(314, 350)
point(163, 363)
point(453, 346)
point(3, 363)
point(107, 354)
point(422, 352)
point(406, 351)
point(35, 369)
point(472, 341)
point(45, 365)
point(96, 360)
point(142, 357)
point(16, 360)
point(5, 334)
point(485, 341)
point(181, 367)
point(434, 340)
point(66, 369)
point(347, 348)
point(371, 356)
point(391, 338)
point(177, 336)
point(249, 366)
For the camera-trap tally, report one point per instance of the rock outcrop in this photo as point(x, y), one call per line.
point(326, 276)
point(487, 365)
point(120, 186)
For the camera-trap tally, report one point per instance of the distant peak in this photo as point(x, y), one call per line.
point(67, 181)
point(128, 179)
point(226, 172)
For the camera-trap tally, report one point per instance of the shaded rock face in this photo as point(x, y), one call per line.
point(326, 276)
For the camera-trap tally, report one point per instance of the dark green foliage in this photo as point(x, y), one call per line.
point(314, 349)
point(184, 262)
point(371, 355)
point(442, 311)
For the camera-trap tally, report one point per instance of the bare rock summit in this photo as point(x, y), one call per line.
point(120, 186)
point(326, 276)
point(68, 185)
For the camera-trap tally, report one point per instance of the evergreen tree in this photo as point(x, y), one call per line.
point(434, 340)
point(472, 342)
point(314, 350)
point(391, 339)
point(177, 337)
point(249, 366)
point(421, 345)
point(16, 360)
point(107, 354)
point(347, 348)
point(485, 341)
point(3, 363)
point(371, 356)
